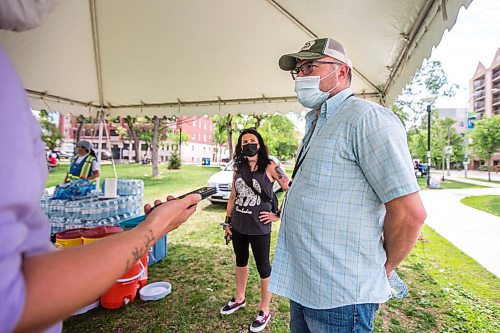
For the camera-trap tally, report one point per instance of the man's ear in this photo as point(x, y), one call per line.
point(344, 71)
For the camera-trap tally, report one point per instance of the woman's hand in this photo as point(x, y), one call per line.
point(172, 213)
point(227, 230)
point(266, 217)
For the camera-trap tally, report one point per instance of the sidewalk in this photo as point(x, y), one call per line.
point(475, 232)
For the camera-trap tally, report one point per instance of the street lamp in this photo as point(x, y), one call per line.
point(429, 101)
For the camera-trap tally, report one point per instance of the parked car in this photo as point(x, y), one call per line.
point(223, 181)
point(105, 155)
point(60, 154)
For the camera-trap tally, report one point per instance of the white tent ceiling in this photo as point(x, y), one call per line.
point(160, 57)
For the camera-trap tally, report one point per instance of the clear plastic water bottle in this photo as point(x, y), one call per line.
point(398, 287)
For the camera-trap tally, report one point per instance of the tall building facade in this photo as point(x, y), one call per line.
point(200, 142)
point(485, 89)
point(485, 97)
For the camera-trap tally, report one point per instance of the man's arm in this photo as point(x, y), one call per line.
point(404, 218)
point(59, 283)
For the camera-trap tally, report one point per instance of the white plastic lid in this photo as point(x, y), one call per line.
point(155, 291)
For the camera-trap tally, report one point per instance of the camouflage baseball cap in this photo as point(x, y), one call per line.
point(315, 49)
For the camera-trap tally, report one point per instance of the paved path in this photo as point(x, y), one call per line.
point(475, 232)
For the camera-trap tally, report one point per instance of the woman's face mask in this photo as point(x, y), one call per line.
point(249, 149)
point(308, 92)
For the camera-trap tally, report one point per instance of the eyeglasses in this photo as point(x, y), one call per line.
point(308, 67)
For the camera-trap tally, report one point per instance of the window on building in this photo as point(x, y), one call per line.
point(126, 145)
point(194, 121)
point(204, 138)
point(193, 136)
point(113, 133)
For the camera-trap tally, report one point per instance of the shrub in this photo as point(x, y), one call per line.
point(174, 161)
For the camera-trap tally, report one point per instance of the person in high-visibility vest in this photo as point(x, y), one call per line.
point(84, 165)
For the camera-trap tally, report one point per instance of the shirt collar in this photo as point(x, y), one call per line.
point(334, 102)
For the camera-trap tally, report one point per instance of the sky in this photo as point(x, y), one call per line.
point(474, 38)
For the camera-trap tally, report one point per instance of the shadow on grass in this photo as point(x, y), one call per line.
point(202, 282)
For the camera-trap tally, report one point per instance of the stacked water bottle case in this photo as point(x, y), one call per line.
point(91, 211)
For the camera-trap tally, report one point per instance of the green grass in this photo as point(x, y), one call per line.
point(174, 182)
point(486, 203)
point(485, 180)
point(447, 184)
point(449, 292)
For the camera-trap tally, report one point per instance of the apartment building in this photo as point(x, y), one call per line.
point(485, 97)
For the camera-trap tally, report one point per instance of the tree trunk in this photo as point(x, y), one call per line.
point(154, 146)
point(133, 135)
point(489, 167)
point(258, 120)
point(229, 132)
point(81, 121)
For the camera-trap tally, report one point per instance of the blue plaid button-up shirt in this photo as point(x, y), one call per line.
point(330, 249)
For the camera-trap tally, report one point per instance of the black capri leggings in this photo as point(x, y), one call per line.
point(260, 249)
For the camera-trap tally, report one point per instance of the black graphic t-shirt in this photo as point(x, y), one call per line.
point(248, 205)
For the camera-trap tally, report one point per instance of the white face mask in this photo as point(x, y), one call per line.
point(22, 15)
point(308, 92)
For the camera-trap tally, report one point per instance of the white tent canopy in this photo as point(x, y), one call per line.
point(195, 57)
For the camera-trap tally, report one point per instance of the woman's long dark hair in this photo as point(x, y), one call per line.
point(263, 156)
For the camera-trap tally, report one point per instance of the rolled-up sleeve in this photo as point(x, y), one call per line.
point(24, 230)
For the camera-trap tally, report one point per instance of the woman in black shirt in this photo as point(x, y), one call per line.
point(248, 219)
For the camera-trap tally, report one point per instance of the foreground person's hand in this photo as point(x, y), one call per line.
point(172, 213)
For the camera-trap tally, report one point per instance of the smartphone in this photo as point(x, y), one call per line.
point(205, 192)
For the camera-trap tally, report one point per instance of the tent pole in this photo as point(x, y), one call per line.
point(99, 146)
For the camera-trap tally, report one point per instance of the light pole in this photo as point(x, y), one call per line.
point(428, 145)
point(429, 101)
point(448, 153)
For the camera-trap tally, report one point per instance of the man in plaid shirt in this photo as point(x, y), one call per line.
point(353, 211)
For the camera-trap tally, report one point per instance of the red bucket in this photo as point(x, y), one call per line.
point(143, 280)
point(94, 234)
point(124, 290)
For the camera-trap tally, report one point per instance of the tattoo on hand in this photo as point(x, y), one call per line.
point(137, 253)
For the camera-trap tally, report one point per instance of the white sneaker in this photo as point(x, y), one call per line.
point(260, 322)
point(232, 306)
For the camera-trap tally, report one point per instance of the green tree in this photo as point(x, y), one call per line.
point(486, 139)
point(279, 135)
point(442, 134)
point(51, 135)
point(430, 80)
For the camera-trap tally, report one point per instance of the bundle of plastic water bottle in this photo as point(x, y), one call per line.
point(90, 211)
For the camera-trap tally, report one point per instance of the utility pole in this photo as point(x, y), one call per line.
point(180, 142)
